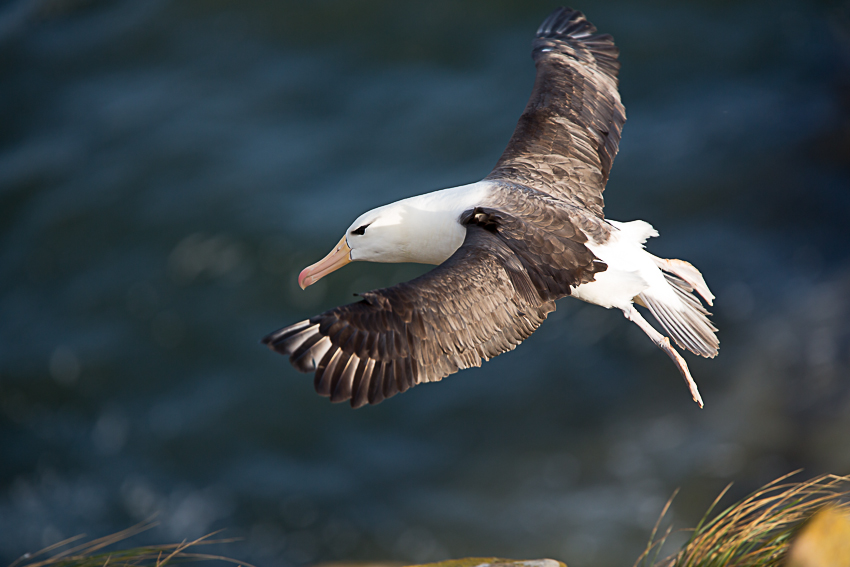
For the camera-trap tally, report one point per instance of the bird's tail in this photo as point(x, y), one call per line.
point(686, 320)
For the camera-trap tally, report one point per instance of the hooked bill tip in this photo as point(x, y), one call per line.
point(303, 278)
point(337, 258)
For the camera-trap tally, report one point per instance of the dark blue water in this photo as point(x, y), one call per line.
point(167, 168)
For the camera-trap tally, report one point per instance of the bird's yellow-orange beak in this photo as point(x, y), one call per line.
point(339, 256)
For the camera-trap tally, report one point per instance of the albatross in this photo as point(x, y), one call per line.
point(505, 248)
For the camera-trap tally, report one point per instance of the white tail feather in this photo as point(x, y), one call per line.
point(684, 319)
point(687, 272)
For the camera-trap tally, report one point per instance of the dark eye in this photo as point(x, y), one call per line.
point(360, 230)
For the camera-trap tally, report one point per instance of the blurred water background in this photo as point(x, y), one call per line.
point(168, 167)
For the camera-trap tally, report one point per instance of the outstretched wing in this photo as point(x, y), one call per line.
point(568, 135)
point(484, 300)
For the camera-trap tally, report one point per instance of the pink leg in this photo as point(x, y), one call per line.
point(663, 343)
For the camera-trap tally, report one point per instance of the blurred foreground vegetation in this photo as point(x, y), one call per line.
point(72, 552)
point(793, 524)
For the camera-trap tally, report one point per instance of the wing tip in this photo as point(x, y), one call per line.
point(563, 22)
point(339, 375)
point(288, 340)
point(571, 27)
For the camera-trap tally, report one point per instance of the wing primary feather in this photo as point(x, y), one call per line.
point(345, 384)
point(360, 383)
point(325, 372)
point(305, 346)
point(286, 340)
point(309, 359)
point(376, 386)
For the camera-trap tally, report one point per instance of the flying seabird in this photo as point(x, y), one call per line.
point(506, 247)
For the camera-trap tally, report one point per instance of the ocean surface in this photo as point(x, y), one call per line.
point(168, 167)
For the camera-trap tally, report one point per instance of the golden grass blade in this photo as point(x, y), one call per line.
point(653, 543)
point(47, 549)
point(758, 530)
point(90, 554)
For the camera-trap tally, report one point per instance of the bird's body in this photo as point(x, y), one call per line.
point(506, 248)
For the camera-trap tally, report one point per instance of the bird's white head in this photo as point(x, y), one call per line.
point(405, 231)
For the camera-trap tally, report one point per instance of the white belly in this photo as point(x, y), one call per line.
point(631, 269)
point(612, 288)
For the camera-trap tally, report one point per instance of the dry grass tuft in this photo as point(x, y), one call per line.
point(91, 554)
point(757, 531)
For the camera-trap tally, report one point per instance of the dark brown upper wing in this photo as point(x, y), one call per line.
point(483, 301)
point(567, 137)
